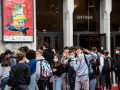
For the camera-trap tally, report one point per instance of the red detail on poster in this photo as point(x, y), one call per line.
point(17, 20)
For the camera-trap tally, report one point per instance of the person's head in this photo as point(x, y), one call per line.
point(56, 61)
point(7, 53)
point(4, 61)
point(39, 53)
point(94, 49)
point(117, 50)
point(101, 53)
point(31, 54)
point(45, 45)
point(67, 53)
point(16, 52)
point(25, 48)
point(78, 50)
point(92, 61)
point(71, 54)
point(21, 49)
point(106, 53)
point(21, 56)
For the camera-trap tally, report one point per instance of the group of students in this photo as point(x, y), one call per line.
point(77, 68)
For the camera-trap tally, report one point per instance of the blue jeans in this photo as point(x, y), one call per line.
point(57, 82)
point(92, 84)
point(102, 77)
point(33, 84)
point(4, 82)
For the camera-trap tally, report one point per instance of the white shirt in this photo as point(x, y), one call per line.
point(101, 63)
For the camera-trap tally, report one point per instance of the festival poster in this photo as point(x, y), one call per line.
point(17, 20)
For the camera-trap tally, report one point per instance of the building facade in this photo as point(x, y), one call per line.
point(84, 23)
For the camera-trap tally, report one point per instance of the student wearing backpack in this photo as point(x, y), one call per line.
point(81, 68)
point(4, 70)
point(11, 57)
point(42, 81)
point(31, 55)
point(102, 74)
point(57, 69)
point(70, 63)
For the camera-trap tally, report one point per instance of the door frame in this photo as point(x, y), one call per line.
point(52, 35)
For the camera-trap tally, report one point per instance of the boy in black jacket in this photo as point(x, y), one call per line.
point(70, 63)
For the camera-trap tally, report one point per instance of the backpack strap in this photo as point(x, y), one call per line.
point(86, 61)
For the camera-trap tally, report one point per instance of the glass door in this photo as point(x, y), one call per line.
point(102, 41)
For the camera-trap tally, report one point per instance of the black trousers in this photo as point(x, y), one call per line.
point(108, 80)
point(42, 84)
point(50, 84)
point(21, 87)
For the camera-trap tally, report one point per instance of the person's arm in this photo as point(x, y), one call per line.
point(12, 62)
point(28, 75)
point(63, 61)
point(38, 70)
point(76, 65)
point(60, 71)
point(101, 64)
point(91, 56)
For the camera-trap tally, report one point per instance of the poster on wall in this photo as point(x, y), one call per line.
point(17, 20)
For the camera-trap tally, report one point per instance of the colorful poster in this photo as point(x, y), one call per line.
point(17, 20)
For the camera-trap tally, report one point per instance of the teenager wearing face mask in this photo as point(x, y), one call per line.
point(57, 69)
point(70, 63)
point(42, 81)
point(117, 64)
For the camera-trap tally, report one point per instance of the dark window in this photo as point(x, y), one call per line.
point(115, 16)
point(86, 15)
point(49, 15)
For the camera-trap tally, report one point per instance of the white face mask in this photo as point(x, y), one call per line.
point(55, 60)
point(117, 52)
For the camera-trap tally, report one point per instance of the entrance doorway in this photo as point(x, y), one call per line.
point(54, 39)
point(89, 40)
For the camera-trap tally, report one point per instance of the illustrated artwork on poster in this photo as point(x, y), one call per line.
point(17, 20)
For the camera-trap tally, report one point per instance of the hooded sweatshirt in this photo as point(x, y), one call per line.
point(13, 60)
point(38, 68)
point(48, 55)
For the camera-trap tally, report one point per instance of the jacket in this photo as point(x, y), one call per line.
point(48, 55)
point(13, 60)
point(38, 68)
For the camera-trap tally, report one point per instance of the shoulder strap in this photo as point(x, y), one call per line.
point(86, 60)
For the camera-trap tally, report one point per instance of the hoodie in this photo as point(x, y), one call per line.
point(48, 55)
point(38, 68)
point(81, 67)
point(13, 60)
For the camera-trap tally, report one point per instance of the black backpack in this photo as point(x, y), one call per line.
point(112, 64)
point(13, 79)
point(106, 66)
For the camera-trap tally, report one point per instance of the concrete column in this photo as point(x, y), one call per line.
point(68, 8)
point(14, 46)
point(105, 10)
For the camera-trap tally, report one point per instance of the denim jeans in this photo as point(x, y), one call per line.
point(102, 77)
point(33, 84)
point(92, 84)
point(4, 82)
point(57, 82)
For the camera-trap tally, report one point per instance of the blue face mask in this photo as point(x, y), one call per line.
point(71, 57)
point(55, 60)
point(117, 52)
point(79, 55)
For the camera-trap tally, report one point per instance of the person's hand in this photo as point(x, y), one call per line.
point(37, 81)
point(79, 59)
point(86, 50)
point(64, 55)
point(54, 70)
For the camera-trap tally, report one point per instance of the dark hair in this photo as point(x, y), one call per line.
point(71, 51)
point(77, 47)
point(94, 48)
point(102, 51)
point(31, 54)
point(7, 52)
point(21, 49)
point(25, 48)
point(4, 62)
point(58, 63)
point(66, 47)
point(20, 56)
point(118, 48)
point(46, 44)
